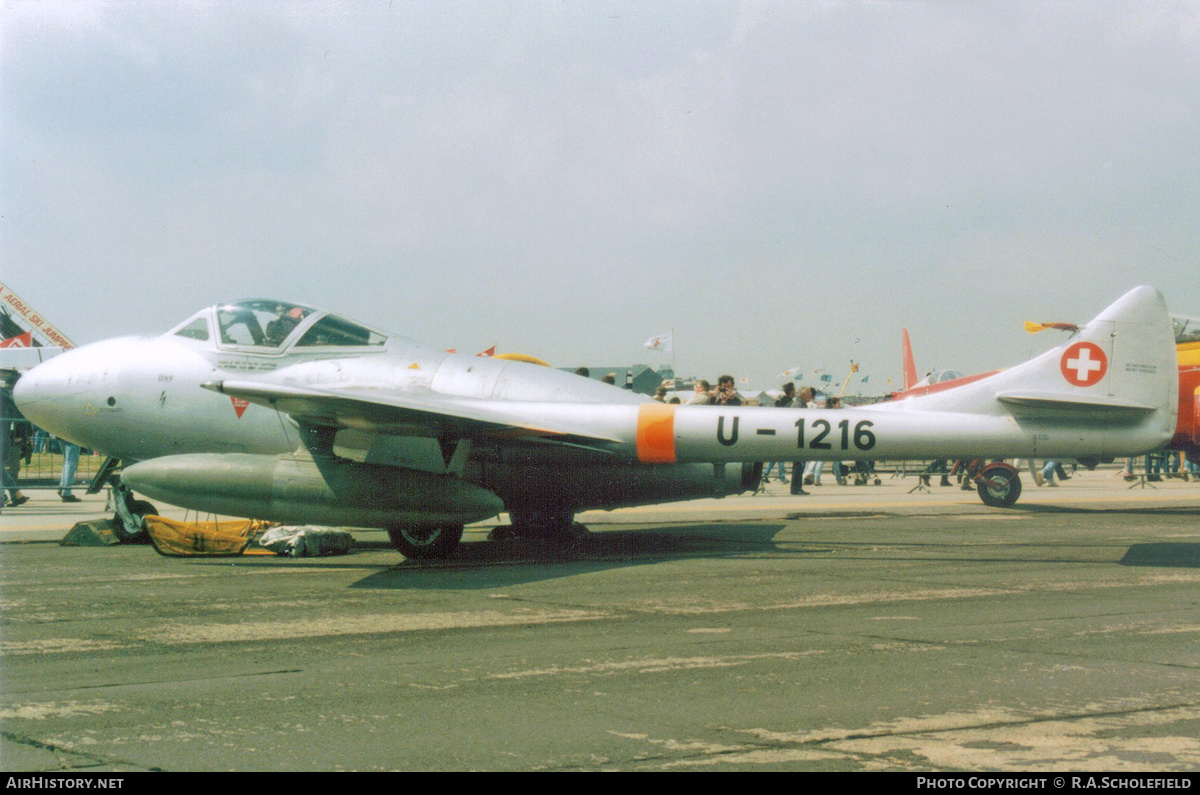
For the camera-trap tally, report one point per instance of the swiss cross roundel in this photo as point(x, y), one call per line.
point(1084, 364)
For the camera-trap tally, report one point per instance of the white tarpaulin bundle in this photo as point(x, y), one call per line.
point(306, 541)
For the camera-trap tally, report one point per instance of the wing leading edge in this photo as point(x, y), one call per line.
point(426, 415)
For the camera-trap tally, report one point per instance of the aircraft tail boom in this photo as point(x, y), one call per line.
point(1110, 390)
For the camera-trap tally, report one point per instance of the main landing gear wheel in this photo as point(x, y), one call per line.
point(426, 543)
point(999, 486)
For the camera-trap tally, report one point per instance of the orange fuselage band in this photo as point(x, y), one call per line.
point(656, 433)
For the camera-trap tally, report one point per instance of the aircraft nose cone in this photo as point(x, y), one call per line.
point(28, 388)
point(60, 395)
point(37, 389)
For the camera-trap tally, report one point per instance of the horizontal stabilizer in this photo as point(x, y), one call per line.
point(1055, 400)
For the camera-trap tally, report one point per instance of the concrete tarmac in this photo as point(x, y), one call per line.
point(858, 628)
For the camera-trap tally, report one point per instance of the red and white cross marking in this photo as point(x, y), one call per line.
point(1084, 364)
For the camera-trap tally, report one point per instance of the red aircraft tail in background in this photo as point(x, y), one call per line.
point(910, 367)
point(934, 382)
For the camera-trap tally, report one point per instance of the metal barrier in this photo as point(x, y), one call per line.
point(42, 469)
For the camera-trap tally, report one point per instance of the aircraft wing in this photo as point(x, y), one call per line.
point(429, 415)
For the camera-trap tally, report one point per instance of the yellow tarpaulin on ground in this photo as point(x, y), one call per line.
point(210, 539)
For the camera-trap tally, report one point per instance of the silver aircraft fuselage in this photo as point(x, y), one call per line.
point(141, 399)
point(279, 411)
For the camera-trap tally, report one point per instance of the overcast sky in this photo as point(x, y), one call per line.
point(781, 184)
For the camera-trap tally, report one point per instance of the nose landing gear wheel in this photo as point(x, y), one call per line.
point(425, 543)
point(139, 509)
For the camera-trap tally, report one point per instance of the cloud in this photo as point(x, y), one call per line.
point(771, 179)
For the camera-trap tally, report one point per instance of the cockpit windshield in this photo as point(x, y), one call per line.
point(262, 324)
point(278, 325)
point(1187, 329)
point(333, 330)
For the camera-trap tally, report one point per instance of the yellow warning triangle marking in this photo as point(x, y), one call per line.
point(414, 366)
point(90, 410)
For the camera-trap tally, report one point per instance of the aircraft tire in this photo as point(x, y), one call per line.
point(999, 486)
point(137, 508)
point(426, 543)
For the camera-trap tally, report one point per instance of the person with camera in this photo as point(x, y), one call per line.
point(726, 395)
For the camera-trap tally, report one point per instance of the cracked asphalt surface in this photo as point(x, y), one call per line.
point(865, 629)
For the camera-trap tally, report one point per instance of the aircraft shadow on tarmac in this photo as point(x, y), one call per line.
point(491, 564)
point(1168, 510)
point(1173, 555)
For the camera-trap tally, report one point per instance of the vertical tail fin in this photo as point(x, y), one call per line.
point(910, 366)
point(1114, 384)
point(1123, 360)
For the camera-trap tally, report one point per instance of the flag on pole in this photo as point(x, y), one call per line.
point(662, 342)
point(827, 378)
point(1034, 328)
point(795, 372)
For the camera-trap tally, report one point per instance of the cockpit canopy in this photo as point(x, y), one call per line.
point(275, 326)
point(938, 376)
point(1187, 329)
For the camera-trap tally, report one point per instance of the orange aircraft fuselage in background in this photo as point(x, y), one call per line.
point(1187, 432)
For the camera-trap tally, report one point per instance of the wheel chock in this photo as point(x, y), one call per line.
point(92, 533)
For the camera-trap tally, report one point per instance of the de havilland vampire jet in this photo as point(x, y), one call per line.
point(282, 412)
